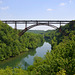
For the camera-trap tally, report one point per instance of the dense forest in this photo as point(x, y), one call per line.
point(61, 59)
point(11, 44)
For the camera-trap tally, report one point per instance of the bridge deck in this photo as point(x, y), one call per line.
point(36, 21)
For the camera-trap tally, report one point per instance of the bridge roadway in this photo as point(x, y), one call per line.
point(51, 23)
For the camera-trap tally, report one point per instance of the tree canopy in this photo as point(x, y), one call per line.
point(60, 61)
point(11, 44)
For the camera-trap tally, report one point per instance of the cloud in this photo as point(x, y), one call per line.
point(49, 9)
point(0, 2)
point(70, 1)
point(4, 8)
point(62, 4)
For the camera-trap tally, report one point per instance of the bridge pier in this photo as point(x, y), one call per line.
point(36, 22)
point(60, 27)
point(25, 24)
point(15, 25)
point(48, 23)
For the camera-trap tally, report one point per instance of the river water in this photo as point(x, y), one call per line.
point(27, 58)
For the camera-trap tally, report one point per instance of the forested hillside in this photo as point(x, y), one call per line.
point(56, 37)
point(36, 31)
point(61, 59)
point(11, 44)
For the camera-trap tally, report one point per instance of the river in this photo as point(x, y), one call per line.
point(27, 58)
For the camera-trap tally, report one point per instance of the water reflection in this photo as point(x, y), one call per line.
point(26, 58)
point(23, 64)
point(40, 51)
point(13, 62)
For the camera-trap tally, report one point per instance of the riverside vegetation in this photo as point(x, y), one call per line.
point(60, 61)
point(11, 44)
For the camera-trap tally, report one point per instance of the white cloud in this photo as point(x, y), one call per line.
point(4, 8)
point(62, 4)
point(49, 9)
point(0, 2)
point(70, 1)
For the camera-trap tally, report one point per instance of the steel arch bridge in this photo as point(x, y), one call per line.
point(51, 23)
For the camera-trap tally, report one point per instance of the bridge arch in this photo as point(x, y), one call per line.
point(27, 28)
point(37, 23)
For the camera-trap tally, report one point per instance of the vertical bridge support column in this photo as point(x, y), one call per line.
point(36, 22)
point(15, 25)
point(48, 23)
point(23, 31)
point(26, 26)
point(60, 27)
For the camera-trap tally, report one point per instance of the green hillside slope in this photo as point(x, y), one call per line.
point(61, 60)
point(11, 44)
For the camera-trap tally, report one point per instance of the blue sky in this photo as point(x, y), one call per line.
point(37, 9)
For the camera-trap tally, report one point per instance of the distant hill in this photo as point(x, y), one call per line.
point(36, 31)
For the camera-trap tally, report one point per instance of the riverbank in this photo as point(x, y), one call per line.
point(25, 59)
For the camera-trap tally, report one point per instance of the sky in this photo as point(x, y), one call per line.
point(37, 10)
